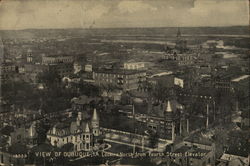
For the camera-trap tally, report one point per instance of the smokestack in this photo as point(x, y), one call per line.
point(207, 122)
point(180, 127)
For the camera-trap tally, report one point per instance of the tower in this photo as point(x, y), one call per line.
point(79, 118)
point(178, 34)
point(169, 122)
point(29, 56)
point(95, 123)
point(181, 44)
point(32, 133)
point(32, 130)
point(207, 119)
point(86, 144)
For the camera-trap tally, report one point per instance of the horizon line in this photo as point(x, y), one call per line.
point(224, 26)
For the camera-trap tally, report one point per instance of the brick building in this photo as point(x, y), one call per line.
point(123, 79)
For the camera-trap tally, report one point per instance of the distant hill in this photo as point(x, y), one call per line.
point(55, 33)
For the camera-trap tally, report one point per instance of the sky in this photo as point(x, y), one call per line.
point(39, 14)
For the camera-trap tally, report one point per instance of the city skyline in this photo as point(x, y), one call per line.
point(60, 14)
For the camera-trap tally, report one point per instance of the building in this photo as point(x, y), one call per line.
point(7, 71)
point(223, 83)
point(233, 160)
point(29, 56)
point(51, 59)
point(63, 69)
point(77, 67)
point(181, 44)
point(193, 155)
point(134, 65)
point(168, 123)
point(88, 68)
point(10, 155)
point(81, 132)
point(165, 80)
point(181, 58)
point(119, 79)
point(78, 104)
point(31, 71)
point(179, 82)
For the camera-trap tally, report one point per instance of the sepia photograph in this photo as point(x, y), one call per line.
point(124, 83)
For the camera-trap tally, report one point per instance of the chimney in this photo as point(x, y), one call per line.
point(187, 125)
point(207, 122)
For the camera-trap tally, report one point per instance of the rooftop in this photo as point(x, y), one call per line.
point(63, 55)
point(118, 71)
point(199, 139)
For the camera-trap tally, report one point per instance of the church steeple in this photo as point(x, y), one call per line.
point(181, 44)
point(169, 127)
point(87, 130)
point(95, 116)
point(29, 56)
point(169, 109)
point(95, 123)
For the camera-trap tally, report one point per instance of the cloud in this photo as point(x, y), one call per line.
point(134, 6)
point(97, 12)
point(220, 12)
point(22, 14)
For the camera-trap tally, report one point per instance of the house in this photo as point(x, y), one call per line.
point(79, 103)
point(81, 132)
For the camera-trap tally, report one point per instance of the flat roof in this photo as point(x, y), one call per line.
point(118, 71)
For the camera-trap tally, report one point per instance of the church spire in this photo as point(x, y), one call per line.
point(87, 130)
point(95, 116)
point(169, 109)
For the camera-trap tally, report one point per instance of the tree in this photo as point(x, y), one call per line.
point(161, 92)
point(67, 147)
point(153, 139)
point(87, 89)
point(49, 78)
point(41, 130)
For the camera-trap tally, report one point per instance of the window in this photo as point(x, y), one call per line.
point(18, 137)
